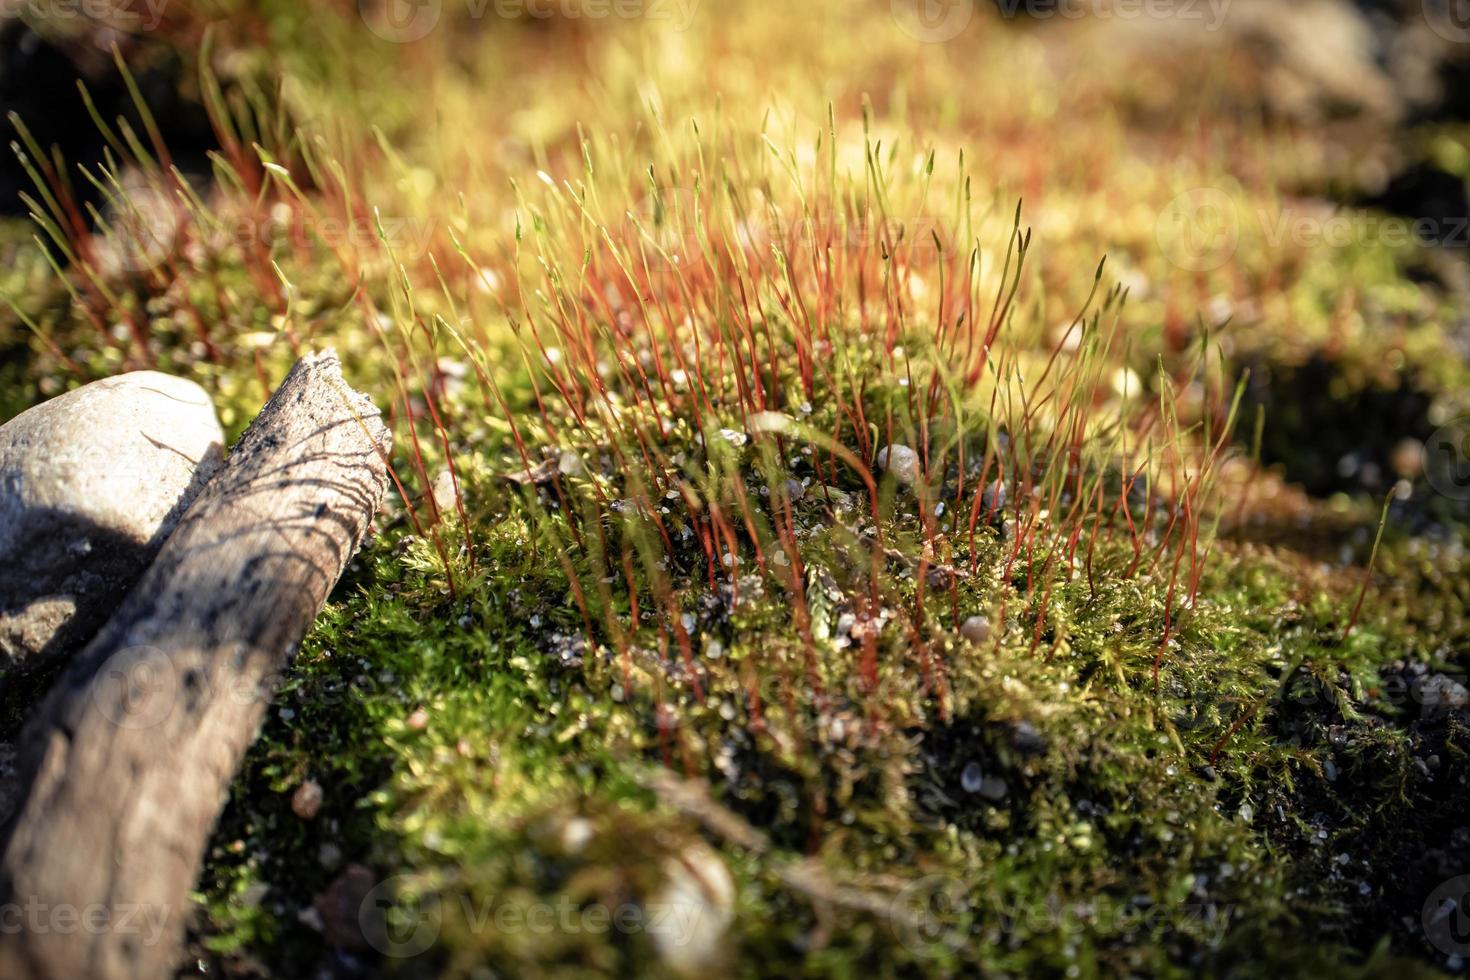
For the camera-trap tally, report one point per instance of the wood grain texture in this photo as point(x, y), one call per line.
point(126, 765)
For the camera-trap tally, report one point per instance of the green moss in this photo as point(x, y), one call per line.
point(1120, 829)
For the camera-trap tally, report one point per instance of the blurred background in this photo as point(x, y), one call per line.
point(1297, 170)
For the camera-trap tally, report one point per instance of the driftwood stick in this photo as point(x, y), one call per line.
point(126, 765)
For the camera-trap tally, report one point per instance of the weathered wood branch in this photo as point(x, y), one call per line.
point(126, 765)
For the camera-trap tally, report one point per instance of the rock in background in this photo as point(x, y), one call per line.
point(91, 483)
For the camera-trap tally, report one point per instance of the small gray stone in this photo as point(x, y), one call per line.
point(1026, 739)
point(993, 498)
point(901, 461)
point(1438, 694)
point(994, 789)
point(329, 856)
point(91, 482)
point(976, 629)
